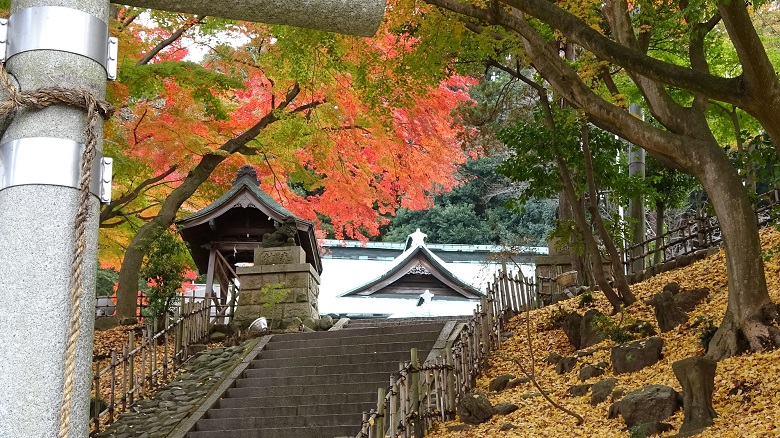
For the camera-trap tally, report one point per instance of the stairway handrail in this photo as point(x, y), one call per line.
point(418, 394)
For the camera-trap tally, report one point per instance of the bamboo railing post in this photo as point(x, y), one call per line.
point(449, 380)
point(414, 392)
point(131, 365)
point(393, 407)
point(165, 347)
point(379, 423)
point(96, 419)
point(112, 399)
point(124, 377)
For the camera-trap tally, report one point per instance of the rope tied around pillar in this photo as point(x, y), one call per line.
point(96, 110)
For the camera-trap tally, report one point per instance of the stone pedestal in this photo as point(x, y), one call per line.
point(279, 270)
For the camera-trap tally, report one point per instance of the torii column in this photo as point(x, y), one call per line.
point(63, 43)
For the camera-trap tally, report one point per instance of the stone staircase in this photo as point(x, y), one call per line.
point(317, 384)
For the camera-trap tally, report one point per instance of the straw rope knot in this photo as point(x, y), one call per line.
point(97, 110)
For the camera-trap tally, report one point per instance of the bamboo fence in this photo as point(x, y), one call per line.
point(701, 233)
point(419, 394)
point(141, 367)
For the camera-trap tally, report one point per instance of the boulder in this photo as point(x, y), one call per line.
point(579, 390)
point(588, 371)
point(310, 323)
point(475, 409)
point(553, 358)
point(507, 426)
point(647, 407)
point(589, 332)
point(687, 300)
point(326, 322)
point(504, 408)
point(601, 390)
point(571, 326)
point(633, 356)
point(514, 383)
point(291, 323)
point(672, 287)
point(666, 311)
point(565, 365)
point(500, 383)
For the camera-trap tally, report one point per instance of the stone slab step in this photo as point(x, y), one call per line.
point(323, 409)
point(252, 399)
point(318, 370)
point(294, 343)
point(286, 432)
point(334, 359)
point(309, 380)
point(401, 322)
point(314, 421)
point(344, 350)
point(280, 391)
point(364, 331)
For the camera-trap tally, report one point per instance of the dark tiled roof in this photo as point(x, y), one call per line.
point(401, 263)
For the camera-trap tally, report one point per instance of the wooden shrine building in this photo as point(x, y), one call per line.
point(415, 272)
point(228, 231)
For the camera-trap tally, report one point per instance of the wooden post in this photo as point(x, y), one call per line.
point(414, 393)
point(97, 398)
point(449, 381)
point(393, 407)
point(379, 423)
point(131, 365)
point(112, 399)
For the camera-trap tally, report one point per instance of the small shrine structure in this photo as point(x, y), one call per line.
point(414, 273)
point(231, 231)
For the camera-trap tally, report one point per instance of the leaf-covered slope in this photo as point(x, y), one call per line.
point(747, 396)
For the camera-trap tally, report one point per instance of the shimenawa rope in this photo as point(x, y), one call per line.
point(96, 109)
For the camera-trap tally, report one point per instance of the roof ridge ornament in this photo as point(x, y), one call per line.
point(416, 239)
point(246, 171)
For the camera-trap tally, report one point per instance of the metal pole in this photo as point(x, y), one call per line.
point(636, 205)
point(37, 222)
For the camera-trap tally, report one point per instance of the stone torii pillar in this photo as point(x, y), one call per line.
point(64, 43)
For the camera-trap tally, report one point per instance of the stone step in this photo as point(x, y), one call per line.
point(246, 390)
point(344, 350)
point(402, 322)
point(284, 432)
point(256, 422)
point(310, 380)
point(263, 371)
point(251, 398)
point(321, 409)
point(365, 330)
point(367, 338)
point(265, 362)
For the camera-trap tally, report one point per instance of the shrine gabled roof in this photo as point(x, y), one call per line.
point(416, 255)
point(243, 183)
point(203, 230)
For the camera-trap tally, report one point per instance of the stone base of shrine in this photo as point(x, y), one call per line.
point(280, 286)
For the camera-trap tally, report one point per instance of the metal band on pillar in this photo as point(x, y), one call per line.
point(51, 161)
point(52, 28)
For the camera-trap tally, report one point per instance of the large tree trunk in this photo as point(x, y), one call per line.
point(127, 289)
point(747, 323)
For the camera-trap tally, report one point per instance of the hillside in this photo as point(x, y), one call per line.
point(747, 388)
